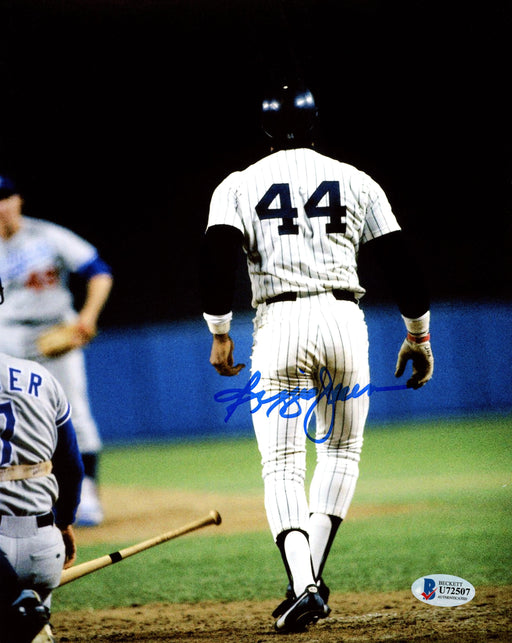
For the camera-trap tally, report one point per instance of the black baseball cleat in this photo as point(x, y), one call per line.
point(290, 599)
point(306, 609)
point(27, 618)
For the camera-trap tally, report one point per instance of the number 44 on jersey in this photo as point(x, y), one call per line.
point(336, 212)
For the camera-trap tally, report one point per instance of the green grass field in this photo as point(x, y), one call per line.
point(446, 489)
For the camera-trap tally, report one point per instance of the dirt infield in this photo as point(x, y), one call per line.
point(395, 616)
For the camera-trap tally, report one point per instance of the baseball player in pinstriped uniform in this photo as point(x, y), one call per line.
point(301, 218)
point(41, 472)
point(36, 259)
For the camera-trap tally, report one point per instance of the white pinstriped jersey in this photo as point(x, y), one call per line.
point(303, 216)
point(32, 406)
point(35, 265)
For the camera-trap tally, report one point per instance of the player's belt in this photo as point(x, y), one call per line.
point(25, 471)
point(342, 295)
point(42, 521)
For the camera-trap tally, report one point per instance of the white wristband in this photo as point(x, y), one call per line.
point(218, 324)
point(418, 327)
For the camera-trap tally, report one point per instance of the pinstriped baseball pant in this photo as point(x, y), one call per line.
point(311, 353)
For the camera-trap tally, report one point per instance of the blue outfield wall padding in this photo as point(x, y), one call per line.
point(156, 382)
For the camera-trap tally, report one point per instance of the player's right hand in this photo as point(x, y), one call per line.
point(221, 357)
point(68, 536)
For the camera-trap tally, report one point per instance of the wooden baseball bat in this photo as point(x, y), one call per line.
point(77, 571)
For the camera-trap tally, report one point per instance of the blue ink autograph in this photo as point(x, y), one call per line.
point(289, 401)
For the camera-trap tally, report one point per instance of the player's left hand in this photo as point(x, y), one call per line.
point(62, 338)
point(422, 362)
point(221, 357)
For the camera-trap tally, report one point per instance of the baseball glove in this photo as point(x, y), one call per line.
point(62, 338)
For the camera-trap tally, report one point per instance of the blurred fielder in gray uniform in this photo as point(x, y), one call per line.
point(301, 218)
point(36, 259)
point(41, 472)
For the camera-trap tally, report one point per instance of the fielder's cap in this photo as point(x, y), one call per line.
point(7, 187)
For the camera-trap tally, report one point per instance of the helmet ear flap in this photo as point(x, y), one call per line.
point(289, 115)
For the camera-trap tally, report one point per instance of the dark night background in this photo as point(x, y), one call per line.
point(119, 118)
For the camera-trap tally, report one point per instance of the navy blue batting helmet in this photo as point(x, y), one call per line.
point(289, 114)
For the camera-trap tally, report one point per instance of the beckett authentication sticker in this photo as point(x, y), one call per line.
point(443, 590)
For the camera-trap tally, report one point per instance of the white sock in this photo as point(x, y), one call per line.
point(320, 526)
point(298, 557)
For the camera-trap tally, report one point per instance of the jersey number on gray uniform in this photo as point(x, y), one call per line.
point(7, 412)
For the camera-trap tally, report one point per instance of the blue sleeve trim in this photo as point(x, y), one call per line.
point(94, 267)
point(64, 418)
